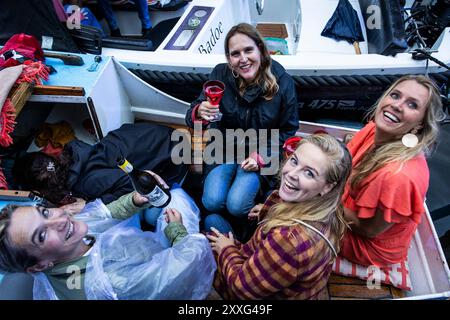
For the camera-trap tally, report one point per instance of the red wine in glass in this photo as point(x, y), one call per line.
point(213, 90)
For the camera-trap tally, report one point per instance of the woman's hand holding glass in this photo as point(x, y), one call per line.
point(207, 111)
point(213, 91)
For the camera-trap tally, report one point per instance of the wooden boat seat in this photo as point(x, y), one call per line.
point(197, 143)
point(347, 288)
point(272, 30)
point(20, 94)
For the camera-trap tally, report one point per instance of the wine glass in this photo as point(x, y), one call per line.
point(213, 90)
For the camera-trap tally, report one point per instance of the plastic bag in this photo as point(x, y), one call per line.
point(97, 216)
point(42, 289)
point(127, 263)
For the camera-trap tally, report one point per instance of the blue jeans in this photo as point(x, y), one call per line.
point(218, 222)
point(142, 8)
point(151, 215)
point(230, 187)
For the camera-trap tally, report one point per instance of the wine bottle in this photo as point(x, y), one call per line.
point(146, 184)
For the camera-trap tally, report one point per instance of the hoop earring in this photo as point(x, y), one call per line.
point(410, 139)
point(235, 75)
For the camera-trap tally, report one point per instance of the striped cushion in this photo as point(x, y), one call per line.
point(396, 275)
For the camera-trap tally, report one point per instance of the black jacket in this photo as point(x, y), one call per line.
point(252, 111)
point(94, 173)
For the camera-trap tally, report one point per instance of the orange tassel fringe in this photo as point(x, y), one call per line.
point(7, 121)
point(33, 72)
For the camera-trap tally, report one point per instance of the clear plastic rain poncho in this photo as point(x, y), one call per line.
point(127, 263)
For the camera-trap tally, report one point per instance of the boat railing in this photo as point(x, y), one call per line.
point(429, 270)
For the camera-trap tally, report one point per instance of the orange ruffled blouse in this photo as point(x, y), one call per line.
point(399, 194)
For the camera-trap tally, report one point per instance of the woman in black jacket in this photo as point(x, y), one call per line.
point(90, 171)
point(259, 94)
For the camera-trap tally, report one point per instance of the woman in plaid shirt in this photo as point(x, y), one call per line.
point(291, 253)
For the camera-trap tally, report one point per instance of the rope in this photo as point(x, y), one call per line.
point(189, 78)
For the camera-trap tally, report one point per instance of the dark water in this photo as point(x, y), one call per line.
point(438, 196)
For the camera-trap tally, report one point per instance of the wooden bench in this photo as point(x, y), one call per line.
point(20, 94)
point(346, 288)
point(197, 145)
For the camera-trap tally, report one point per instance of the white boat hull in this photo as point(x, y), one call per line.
point(310, 53)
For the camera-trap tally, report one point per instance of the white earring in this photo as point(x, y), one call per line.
point(235, 75)
point(410, 140)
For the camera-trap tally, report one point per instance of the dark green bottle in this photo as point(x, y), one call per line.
point(145, 184)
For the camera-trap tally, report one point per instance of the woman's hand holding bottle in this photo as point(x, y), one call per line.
point(139, 199)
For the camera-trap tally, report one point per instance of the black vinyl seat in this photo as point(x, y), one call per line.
point(156, 36)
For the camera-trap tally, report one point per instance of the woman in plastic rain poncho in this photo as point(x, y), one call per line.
point(101, 253)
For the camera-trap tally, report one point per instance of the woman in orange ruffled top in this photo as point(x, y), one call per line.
point(384, 197)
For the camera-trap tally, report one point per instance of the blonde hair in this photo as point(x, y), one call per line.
point(395, 151)
point(327, 208)
point(264, 77)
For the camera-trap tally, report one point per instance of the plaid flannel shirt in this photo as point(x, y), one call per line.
point(289, 262)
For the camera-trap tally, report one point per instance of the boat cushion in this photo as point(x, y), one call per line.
point(384, 26)
point(88, 39)
point(396, 274)
point(128, 44)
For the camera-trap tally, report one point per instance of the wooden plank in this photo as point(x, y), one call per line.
point(358, 292)
point(272, 30)
point(338, 279)
point(58, 90)
point(339, 284)
point(19, 95)
point(198, 144)
point(397, 293)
